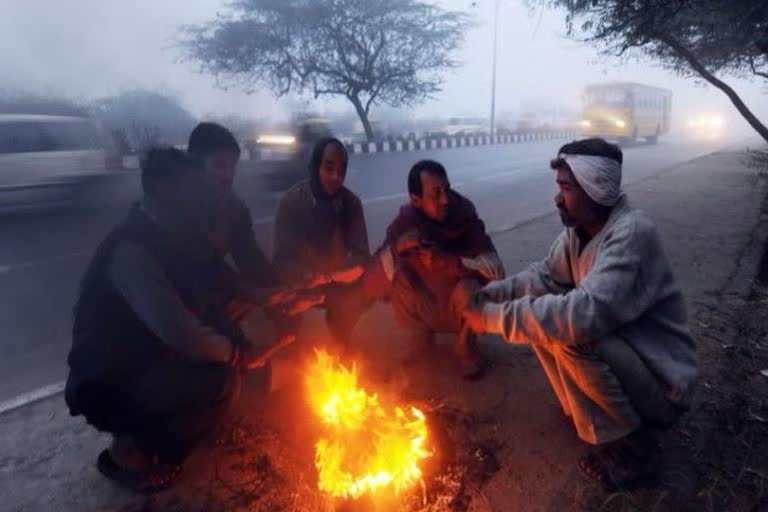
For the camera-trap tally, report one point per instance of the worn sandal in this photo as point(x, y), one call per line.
point(144, 482)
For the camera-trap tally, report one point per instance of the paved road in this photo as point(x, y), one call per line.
point(43, 254)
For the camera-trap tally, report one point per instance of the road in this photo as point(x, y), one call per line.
point(43, 254)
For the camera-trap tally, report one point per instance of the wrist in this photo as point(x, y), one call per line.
point(234, 356)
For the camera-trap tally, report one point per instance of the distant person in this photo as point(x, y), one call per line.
point(436, 253)
point(156, 357)
point(321, 240)
point(230, 226)
point(605, 317)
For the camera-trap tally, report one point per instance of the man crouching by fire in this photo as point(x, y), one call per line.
point(156, 357)
point(604, 316)
point(436, 253)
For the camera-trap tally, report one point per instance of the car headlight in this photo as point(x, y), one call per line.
point(619, 123)
point(586, 123)
point(278, 140)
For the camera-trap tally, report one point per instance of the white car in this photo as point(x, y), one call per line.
point(44, 159)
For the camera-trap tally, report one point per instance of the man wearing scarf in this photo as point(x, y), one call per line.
point(436, 252)
point(321, 240)
point(604, 316)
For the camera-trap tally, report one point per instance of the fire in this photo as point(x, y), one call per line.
point(366, 445)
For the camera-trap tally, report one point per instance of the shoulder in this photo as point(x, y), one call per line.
point(635, 229)
point(351, 198)
point(297, 194)
point(464, 207)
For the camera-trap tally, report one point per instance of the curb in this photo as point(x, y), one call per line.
point(398, 145)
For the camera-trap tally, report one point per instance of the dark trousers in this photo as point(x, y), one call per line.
point(422, 314)
point(166, 409)
point(344, 304)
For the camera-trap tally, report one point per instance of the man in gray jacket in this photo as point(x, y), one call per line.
point(604, 316)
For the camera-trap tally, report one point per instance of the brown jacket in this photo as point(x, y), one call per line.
point(295, 255)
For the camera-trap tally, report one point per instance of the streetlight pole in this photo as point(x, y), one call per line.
point(493, 79)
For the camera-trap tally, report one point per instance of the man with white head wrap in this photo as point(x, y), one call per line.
point(605, 318)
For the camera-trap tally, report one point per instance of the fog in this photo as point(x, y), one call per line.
point(90, 48)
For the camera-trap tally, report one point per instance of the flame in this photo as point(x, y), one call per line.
point(366, 445)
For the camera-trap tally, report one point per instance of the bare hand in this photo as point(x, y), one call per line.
point(472, 315)
point(280, 296)
point(302, 303)
point(348, 275)
point(408, 241)
point(253, 357)
point(487, 265)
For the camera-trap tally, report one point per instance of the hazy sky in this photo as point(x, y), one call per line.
point(89, 48)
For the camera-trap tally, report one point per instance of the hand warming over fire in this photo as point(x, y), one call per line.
point(348, 275)
point(472, 316)
point(302, 303)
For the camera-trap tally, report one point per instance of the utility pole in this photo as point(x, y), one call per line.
point(493, 79)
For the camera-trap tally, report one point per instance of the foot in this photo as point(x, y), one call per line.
point(149, 480)
point(474, 369)
point(623, 465)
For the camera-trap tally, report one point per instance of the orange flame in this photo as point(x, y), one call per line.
point(366, 446)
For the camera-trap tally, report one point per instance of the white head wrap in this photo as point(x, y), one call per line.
point(600, 177)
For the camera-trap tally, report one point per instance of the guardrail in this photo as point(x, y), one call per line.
point(401, 144)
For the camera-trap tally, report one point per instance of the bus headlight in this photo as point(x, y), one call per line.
point(586, 123)
point(619, 123)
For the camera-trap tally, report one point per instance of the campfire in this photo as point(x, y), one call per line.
point(367, 444)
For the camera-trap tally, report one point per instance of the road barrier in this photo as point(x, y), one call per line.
point(441, 142)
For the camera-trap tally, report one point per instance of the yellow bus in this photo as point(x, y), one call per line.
point(624, 110)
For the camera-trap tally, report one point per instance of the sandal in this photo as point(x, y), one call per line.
point(147, 482)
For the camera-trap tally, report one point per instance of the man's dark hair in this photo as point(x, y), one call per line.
point(164, 165)
point(209, 138)
point(590, 147)
point(428, 166)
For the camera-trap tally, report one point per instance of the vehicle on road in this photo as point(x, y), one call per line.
point(45, 159)
point(625, 111)
point(707, 126)
point(282, 155)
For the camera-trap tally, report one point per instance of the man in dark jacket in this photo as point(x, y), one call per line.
point(230, 227)
point(436, 253)
point(155, 357)
point(321, 240)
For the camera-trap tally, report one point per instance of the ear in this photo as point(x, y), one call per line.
point(416, 201)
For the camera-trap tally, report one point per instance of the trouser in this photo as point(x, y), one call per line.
point(422, 315)
point(605, 388)
point(166, 409)
point(344, 305)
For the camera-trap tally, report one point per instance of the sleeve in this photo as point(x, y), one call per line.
point(287, 240)
point(477, 238)
point(357, 239)
point(613, 293)
point(377, 280)
point(552, 275)
point(140, 279)
point(250, 260)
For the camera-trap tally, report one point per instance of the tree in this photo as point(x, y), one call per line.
point(702, 38)
point(368, 51)
point(145, 117)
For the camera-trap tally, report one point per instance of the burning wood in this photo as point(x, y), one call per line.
point(366, 445)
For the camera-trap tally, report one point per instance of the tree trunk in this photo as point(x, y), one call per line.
point(363, 115)
point(686, 54)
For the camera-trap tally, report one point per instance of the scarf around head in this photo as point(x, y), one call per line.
point(328, 210)
point(600, 177)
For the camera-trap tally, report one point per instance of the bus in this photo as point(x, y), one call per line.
point(625, 110)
